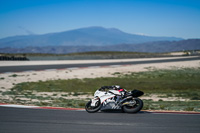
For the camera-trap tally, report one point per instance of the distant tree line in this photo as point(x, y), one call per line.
point(19, 58)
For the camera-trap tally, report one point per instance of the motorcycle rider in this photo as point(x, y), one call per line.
point(117, 88)
point(120, 90)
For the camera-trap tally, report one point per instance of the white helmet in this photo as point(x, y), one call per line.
point(117, 87)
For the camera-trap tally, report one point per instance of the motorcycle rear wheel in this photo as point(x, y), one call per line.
point(91, 109)
point(134, 109)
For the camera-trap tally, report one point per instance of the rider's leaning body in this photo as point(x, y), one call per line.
point(121, 91)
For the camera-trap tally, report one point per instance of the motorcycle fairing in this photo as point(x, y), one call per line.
point(109, 103)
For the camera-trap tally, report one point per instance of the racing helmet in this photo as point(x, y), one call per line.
point(116, 87)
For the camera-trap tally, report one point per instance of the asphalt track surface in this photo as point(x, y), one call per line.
point(4, 69)
point(18, 120)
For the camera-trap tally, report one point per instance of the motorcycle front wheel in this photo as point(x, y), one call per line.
point(133, 108)
point(91, 109)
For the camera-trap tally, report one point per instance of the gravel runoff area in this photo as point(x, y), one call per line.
point(8, 80)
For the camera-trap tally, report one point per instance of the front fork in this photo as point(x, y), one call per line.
point(94, 102)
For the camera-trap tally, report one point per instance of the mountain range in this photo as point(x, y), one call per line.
point(94, 39)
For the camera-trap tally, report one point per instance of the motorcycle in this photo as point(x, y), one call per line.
point(107, 98)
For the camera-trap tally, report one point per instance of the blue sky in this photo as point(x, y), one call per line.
point(179, 18)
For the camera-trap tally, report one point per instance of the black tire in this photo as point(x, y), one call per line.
point(90, 109)
point(133, 109)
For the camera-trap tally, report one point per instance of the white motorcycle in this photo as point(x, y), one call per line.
point(107, 98)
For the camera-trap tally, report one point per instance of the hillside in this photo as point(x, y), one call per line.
point(150, 47)
point(94, 39)
point(91, 36)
